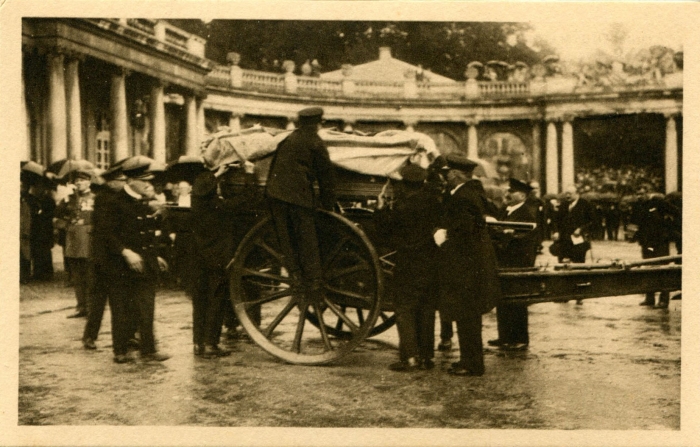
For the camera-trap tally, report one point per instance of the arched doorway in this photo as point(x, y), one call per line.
point(508, 153)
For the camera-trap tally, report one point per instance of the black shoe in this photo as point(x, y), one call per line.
point(214, 351)
point(427, 364)
point(514, 347)
point(407, 366)
point(78, 314)
point(445, 345)
point(647, 303)
point(661, 305)
point(89, 343)
point(495, 342)
point(121, 358)
point(155, 357)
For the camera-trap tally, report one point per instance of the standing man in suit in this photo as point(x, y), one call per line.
point(301, 160)
point(572, 224)
point(469, 284)
point(515, 251)
point(129, 230)
point(408, 224)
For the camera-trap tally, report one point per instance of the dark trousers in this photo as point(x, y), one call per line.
point(512, 323)
point(132, 304)
point(25, 268)
point(83, 282)
point(656, 251)
point(296, 232)
point(97, 309)
point(471, 350)
point(416, 326)
point(209, 303)
point(42, 262)
point(446, 331)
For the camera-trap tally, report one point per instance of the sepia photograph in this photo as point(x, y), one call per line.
point(349, 223)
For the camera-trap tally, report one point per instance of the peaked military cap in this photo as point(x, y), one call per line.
point(138, 168)
point(114, 172)
point(460, 163)
point(517, 185)
point(413, 174)
point(81, 174)
point(310, 115)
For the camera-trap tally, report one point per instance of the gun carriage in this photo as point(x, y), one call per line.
point(357, 302)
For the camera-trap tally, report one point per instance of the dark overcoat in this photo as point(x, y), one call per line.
point(467, 259)
point(300, 160)
point(517, 250)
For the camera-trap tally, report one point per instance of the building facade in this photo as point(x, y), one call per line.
point(105, 89)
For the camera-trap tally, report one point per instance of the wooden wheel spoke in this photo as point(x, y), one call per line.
point(349, 294)
point(339, 273)
point(336, 250)
point(353, 327)
point(339, 323)
point(322, 328)
point(277, 255)
point(384, 316)
point(266, 275)
point(268, 298)
point(278, 319)
point(296, 344)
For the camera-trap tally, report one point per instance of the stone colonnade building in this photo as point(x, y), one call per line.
point(104, 89)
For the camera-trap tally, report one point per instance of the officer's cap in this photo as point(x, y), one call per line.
point(81, 174)
point(460, 163)
point(310, 115)
point(518, 186)
point(114, 172)
point(138, 168)
point(413, 174)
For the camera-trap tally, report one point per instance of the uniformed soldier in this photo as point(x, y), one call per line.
point(409, 225)
point(301, 160)
point(469, 284)
point(515, 250)
point(131, 262)
point(655, 219)
point(74, 215)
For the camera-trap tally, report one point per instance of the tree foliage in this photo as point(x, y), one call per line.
point(442, 47)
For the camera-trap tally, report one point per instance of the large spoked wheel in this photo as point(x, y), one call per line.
point(273, 308)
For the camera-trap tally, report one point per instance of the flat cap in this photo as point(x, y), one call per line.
point(138, 167)
point(517, 185)
point(311, 112)
point(413, 174)
point(460, 163)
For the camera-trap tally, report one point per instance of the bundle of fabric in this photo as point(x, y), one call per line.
point(382, 154)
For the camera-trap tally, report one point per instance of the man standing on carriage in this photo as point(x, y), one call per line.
point(409, 225)
point(467, 268)
point(300, 160)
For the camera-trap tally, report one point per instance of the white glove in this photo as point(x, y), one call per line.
point(488, 218)
point(440, 237)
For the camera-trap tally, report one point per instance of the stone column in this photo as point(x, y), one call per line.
point(191, 144)
point(234, 123)
point(58, 148)
point(201, 123)
point(75, 128)
point(671, 155)
point(552, 161)
point(158, 122)
point(119, 123)
point(472, 140)
point(535, 172)
point(567, 153)
point(25, 120)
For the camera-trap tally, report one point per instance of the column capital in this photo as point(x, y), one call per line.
point(472, 121)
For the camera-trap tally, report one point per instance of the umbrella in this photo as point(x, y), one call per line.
point(551, 58)
point(521, 64)
point(186, 167)
point(63, 168)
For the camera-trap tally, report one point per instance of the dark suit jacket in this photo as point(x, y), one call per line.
point(581, 216)
point(467, 260)
point(517, 250)
point(121, 221)
point(300, 160)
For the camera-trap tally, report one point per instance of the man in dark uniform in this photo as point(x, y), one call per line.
point(131, 263)
point(515, 251)
point(469, 284)
point(537, 208)
point(572, 225)
point(218, 225)
point(655, 219)
point(300, 160)
point(409, 225)
point(114, 183)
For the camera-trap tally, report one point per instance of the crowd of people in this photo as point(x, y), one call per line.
point(124, 230)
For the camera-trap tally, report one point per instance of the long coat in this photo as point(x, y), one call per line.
point(566, 221)
point(300, 160)
point(467, 259)
point(517, 250)
point(75, 216)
